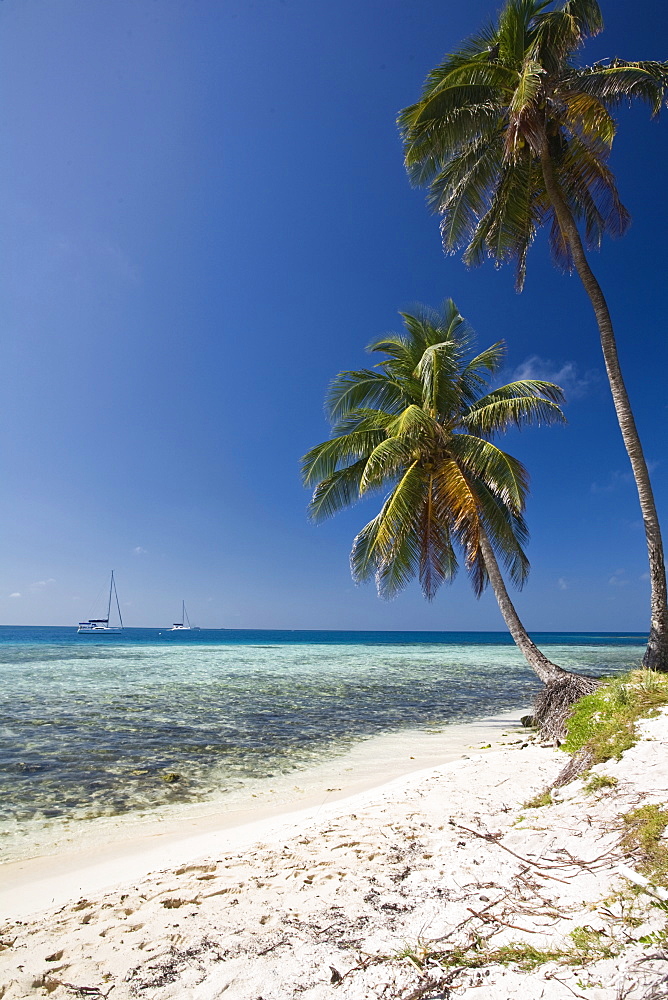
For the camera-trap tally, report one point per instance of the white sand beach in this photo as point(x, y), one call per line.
point(358, 898)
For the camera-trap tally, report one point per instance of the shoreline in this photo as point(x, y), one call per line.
point(437, 883)
point(95, 855)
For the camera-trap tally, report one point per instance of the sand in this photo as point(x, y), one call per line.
point(65, 858)
point(364, 897)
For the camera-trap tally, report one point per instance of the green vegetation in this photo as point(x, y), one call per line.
point(417, 953)
point(603, 723)
point(597, 782)
point(511, 133)
point(420, 427)
point(540, 799)
point(526, 956)
point(645, 828)
point(588, 945)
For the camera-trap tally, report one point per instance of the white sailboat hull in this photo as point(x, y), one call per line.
point(184, 625)
point(115, 629)
point(96, 625)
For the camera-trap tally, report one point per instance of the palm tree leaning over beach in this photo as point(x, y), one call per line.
point(510, 134)
point(421, 423)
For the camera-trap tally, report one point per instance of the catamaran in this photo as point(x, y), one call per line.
point(98, 625)
point(184, 625)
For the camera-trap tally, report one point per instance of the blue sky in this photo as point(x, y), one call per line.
point(205, 218)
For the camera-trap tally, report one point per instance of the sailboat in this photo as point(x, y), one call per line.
point(98, 625)
point(184, 625)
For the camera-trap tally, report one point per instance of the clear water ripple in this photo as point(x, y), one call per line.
point(91, 728)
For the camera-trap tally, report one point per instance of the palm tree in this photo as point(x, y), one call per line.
point(421, 424)
point(511, 134)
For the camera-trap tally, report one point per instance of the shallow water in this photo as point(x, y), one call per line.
point(92, 727)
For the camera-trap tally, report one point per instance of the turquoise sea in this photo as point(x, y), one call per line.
point(93, 727)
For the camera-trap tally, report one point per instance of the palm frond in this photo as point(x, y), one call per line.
point(517, 404)
point(617, 81)
point(404, 352)
point(489, 360)
point(479, 46)
point(528, 88)
point(508, 228)
point(405, 349)
point(453, 326)
point(524, 387)
point(504, 475)
point(364, 555)
point(459, 192)
point(397, 540)
point(522, 411)
point(339, 490)
point(365, 388)
point(515, 34)
point(590, 190)
point(507, 532)
point(323, 460)
point(470, 130)
point(587, 14)
point(452, 492)
point(560, 32)
point(472, 82)
point(438, 371)
point(438, 561)
point(415, 427)
point(388, 459)
point(362, 419)
point(395, 345)
point(587, 117)
point(474, 376)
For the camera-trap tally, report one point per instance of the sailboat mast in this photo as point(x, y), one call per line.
point(111, 587)
point(186, 620)
point(118, 603)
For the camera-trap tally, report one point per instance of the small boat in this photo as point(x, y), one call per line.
point(184, 625)
point(98, 625)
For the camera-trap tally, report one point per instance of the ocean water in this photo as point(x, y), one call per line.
point(115, 726)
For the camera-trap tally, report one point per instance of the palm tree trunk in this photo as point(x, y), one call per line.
point(547, 671)
point(656, 654)
point(554, 704)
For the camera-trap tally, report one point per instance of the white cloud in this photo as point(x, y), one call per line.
point(562, 584)
point(618, 578)
point(42, 583)
point(574, 383)
point(139, 551)
point(15, 594)
point(616, 480)
point(644, 576)
point(619, 480)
